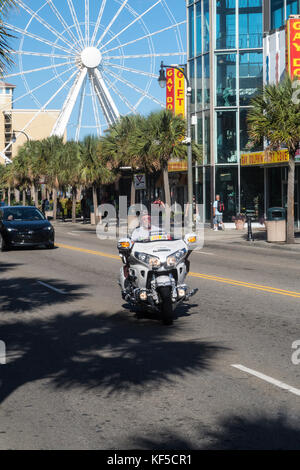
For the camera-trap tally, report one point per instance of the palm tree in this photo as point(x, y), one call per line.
point(160, 139)
point(52, 157)
point(27, 166)
point(95, 169)
point(70, 170)
point(275, 116)
point(119, 148)
point(5, 35)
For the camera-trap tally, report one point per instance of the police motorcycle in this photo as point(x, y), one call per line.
point(154, 271)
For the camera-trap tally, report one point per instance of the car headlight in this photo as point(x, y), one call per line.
point(173, 259)
point(152, 261)
point(48, 228)
point(12, 229)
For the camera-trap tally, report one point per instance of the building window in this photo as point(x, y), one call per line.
point(291, 7)
point(225, 28)
point(206, 81)
point(206, 143)
point(199, 82)
point(191, 32)
point(226, 80)
point(277, 13)
point(205, 25)
point(250, 24)
point(198, 28)
point(226, 137)
point(199, 128)
point(251, 75)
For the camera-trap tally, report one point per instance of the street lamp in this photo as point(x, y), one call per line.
point(14, 138)
point(162, 80)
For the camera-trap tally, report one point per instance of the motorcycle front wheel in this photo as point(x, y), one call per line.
point(166, 307)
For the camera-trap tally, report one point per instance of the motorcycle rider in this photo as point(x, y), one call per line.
point(143, 230)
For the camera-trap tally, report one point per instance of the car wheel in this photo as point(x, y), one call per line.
point(50, 245)
point(2, 243)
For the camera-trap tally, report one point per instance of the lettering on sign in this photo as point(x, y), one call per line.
point(293, 47)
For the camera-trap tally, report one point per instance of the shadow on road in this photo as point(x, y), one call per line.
point(261, 432)
point(112, 353)
point(20, 295)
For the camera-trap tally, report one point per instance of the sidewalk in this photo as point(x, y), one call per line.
point(239, 237)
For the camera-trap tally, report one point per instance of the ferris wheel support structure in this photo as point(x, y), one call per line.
point(109, 54)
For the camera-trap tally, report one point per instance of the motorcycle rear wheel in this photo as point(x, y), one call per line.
point(166, 305)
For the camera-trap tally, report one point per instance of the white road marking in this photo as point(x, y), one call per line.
point(204, 253)
point(73, 234)
point(51, 287)
point(266, 378)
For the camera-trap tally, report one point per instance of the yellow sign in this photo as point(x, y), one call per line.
point(179, 94)
point(264, 158)
point(177, 166)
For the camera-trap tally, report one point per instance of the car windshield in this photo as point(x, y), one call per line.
point(22, 213)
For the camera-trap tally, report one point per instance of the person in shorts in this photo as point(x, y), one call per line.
point(218, 208)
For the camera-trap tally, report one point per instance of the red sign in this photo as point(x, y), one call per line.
point(170, 104)
point(293, 47)
point(179, 94)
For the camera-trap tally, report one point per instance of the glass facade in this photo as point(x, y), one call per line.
point(236, 74)
point(280, 10)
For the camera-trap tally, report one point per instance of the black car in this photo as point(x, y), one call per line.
point(24, 226)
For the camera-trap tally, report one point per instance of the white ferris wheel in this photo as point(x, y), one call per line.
point(92, 60)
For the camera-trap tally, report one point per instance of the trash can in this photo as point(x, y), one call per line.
point(276, 224)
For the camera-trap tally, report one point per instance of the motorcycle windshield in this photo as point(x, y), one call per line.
point(153, 236)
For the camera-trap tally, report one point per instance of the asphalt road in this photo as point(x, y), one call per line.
point(83, 372)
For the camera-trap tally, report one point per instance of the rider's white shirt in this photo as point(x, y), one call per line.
point(141, 233)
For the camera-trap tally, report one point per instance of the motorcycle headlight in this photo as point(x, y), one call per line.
point(173, 259)
point(152, 261)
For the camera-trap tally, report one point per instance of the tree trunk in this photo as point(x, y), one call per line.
point(290, 232)
point(95, 203)
point(8, 196)
point(54, 197)
point(24, 197)
point(17, 195)
point(74, 193)
point(167, 186)
point(167, 199)
point(132, 193)
point(36, 196)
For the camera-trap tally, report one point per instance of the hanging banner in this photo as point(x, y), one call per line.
point(293, 47)
point(170, 98)
point(179, 94)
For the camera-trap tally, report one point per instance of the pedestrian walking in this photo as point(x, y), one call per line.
point(218, 209)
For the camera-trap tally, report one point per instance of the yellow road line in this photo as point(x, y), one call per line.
point(84, 250)
point(208, 277)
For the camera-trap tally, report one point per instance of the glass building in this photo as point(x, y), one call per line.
point(225, 65)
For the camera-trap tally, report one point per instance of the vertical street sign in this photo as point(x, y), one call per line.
point(293, 47)
point(179, 94)
point(170, 89)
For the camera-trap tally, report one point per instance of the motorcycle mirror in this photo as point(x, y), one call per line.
point(124, 244)
point(190, 239)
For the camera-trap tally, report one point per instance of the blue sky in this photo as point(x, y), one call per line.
point(52, 41)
